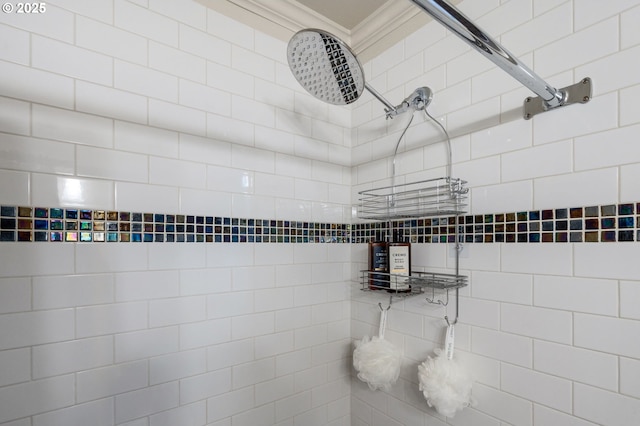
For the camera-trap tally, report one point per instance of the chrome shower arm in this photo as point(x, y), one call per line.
point(550, 97)
point(390, 109)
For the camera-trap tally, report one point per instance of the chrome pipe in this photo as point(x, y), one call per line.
point(390, 110)
point(459, 24)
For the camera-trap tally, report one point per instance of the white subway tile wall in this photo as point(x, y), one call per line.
point(170, 107)
point(156, 106)
point(549, 330)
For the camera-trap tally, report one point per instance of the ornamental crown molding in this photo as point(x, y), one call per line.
point(386, 26)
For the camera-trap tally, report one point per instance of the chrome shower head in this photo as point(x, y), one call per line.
point(325, 66)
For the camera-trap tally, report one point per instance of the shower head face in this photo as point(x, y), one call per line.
point(325, 67)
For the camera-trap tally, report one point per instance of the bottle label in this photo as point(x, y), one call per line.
point(379, 258)
point(399, 260)
point(399, 265)
point(378, 262)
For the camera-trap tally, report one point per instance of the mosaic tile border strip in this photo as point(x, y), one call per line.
point(606, 223)
point(83, 225)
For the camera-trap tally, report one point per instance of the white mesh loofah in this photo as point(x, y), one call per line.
point(444, 382)
point(376, 360)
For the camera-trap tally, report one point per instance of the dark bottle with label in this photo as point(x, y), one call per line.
point(399, 266)
point(378, 262)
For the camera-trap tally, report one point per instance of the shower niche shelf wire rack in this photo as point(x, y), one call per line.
point(444, 196)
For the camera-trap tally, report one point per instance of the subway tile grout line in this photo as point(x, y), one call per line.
point(605, 223)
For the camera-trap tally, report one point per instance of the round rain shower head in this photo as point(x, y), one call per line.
point(325, 66)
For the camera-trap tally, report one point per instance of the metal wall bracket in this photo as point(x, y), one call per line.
point(576, 93)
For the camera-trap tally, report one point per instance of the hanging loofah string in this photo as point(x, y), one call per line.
point(376, 360)
point(444, 382)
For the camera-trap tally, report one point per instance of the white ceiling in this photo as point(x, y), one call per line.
point(345, 13)
point(368, 26)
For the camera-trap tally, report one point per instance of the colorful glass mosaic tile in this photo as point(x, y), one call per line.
point(608, 223)
point(19, 223)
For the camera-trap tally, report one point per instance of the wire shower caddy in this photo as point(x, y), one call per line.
point(443, 196)
point(428, 198)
